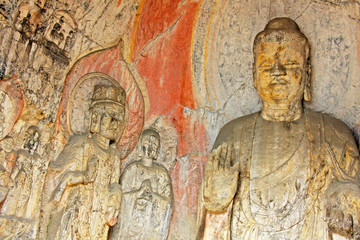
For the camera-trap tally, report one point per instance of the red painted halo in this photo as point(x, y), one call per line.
point(101, 67)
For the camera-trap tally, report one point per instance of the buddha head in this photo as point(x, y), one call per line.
point(108, 108)
point(281, 64)
point(150, 143)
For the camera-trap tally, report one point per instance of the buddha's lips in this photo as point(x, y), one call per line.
point(278, 81)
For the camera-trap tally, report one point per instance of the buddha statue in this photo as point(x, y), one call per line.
point(146, 204)
point(85, 200)
point(284, 172)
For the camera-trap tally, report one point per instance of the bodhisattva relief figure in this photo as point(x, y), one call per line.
point(285, 172)
point(22, 202)
point(4, 182)
point(88, 194)
point(7, 156)
point(146, 204)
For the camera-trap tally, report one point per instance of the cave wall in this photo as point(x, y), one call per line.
point(185, 64)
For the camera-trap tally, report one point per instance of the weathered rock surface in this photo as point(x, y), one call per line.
point(188, 65)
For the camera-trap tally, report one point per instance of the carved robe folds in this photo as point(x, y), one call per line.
point(83, 211)
point(146, 204)
point(285, 197)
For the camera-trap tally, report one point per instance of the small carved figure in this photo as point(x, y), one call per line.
point(4, 182)
point(286, 172)
point(29, 20)
point(7, 155)
point(146, 204)
point(3, 97)
point(61, 31)
point(22, 202)
point(87, 193)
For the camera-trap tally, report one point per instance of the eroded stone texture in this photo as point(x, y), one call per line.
point(40, 40)
point(146, 205)
point(86, 173)
point(186, 68)
point(20, 211)
point(223, 58)
point(272, 171)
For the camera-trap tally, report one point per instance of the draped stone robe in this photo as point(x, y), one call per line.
point(21, 206)
point(144, 215)
point(82, 210)
point(283, 179)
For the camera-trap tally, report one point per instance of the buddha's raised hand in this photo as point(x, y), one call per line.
point(221, 178)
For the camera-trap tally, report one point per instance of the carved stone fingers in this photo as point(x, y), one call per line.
point(222, 158)
point(221, 178)
point(342, 210)
point(340, 223)
point(58, 193)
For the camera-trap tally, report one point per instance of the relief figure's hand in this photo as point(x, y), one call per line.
point(343, 209)
point(146, 190)
point(221, 178)
point(114, 202)
point(58, 192)
point(111, 216)
point(146, 185)
point(70, 178)
point(340, 223)
point(90, 173)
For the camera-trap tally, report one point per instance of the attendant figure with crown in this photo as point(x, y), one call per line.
point(87, 196)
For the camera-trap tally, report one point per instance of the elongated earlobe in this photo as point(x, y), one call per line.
point(254, 77)
point(307, 92)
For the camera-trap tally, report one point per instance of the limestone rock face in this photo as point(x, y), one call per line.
point(186, 68)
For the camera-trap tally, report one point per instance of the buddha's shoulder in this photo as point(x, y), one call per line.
point(72, 152)
point(133, 165)
point(239, 123)
point(330, 123)
point(232, 128)
point(336, 132)
point(160, 167)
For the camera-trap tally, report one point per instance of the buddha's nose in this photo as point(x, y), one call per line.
point(278, 69)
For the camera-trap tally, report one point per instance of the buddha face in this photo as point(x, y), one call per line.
point(280, 71)
point(107, 120)
point(150, 145)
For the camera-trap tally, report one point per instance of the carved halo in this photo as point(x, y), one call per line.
point(100, 67)
point(78, 114)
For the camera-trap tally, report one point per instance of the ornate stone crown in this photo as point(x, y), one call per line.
point(110, 94)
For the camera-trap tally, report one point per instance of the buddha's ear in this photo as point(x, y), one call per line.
point(254, 75)
point(307, 91)
point(158, 148)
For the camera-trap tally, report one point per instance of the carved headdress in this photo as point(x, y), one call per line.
point(108, 94)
